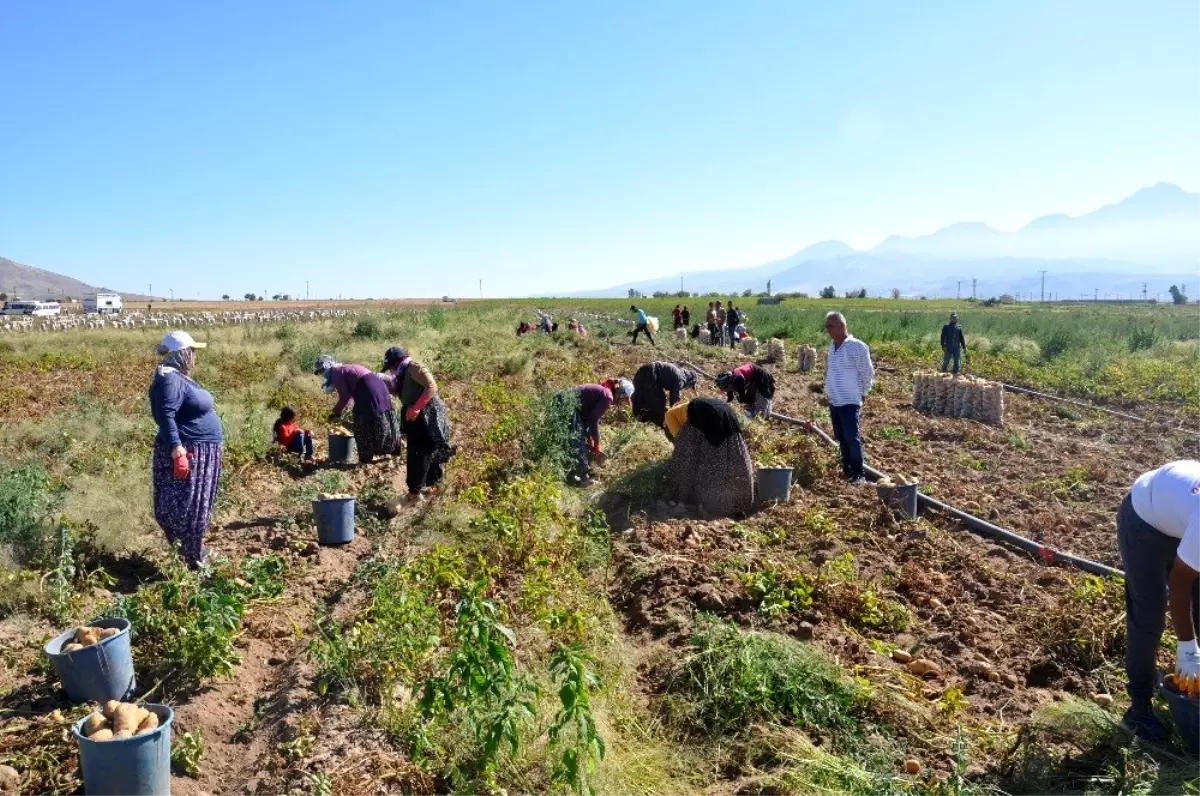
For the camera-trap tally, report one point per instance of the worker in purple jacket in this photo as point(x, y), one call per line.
point(588, 403)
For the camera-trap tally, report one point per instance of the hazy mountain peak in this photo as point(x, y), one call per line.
point(825, 250)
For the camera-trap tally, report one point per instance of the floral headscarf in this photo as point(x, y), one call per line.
point(183, 361)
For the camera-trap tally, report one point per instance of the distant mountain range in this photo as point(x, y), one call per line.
point(1152, 236)
point(28, 282)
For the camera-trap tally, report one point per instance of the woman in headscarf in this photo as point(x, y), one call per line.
point(711, 464)
point(187, 449)
point(589, 402)
point(752, 385)
point(376, 431)
point(425, 421)
point(656, 386)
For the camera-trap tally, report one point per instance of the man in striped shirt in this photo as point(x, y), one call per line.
point(849, 375)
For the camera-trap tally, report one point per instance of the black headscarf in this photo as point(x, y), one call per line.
point(713, 418)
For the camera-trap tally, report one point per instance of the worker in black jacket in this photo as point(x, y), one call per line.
point(954, 345)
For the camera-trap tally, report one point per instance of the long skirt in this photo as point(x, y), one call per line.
point(428, 446)
point(183, 508)
point(649, 401)
point(761, 407)
point(375, 434)
point(718, 477)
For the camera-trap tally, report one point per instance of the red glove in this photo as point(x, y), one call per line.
point(414, 411)
point(182, 466)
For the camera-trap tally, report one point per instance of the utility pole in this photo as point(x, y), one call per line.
point(973, 294)
point(958, 295)
point(481, 290)
point(1143, 291)
point(1043, 273)
point(172, 294)
point(1096, 294)
point(306, 290)
point(681, 283)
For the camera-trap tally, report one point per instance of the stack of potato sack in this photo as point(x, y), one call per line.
point(681, 333)
point(775, 351)
point(705, 337)
point(749, 346)
point(959, 396)
point(806, 357)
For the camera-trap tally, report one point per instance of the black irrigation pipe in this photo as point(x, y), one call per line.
point(974, 524)
point(1085, 405)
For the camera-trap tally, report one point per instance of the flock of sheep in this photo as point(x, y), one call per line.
point(136, 319)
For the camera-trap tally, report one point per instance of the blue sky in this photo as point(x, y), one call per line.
point(410, 149)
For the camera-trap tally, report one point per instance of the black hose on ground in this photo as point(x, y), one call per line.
point(976, 525)
point(1085, 405)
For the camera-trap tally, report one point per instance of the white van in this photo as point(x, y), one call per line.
point(103, 304)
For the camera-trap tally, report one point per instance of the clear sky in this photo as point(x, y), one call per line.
point(381, 147)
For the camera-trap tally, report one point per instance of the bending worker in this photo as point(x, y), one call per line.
point(752, 385)
point(589, 402)
point(954, 344)
point(656, 386)
point(1158, 531)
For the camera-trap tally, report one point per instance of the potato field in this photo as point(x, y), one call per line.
point(515, 634)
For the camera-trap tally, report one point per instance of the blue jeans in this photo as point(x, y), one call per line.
point(1147, 556)
point(302, 443)
point(956, 355)
point(845, 431)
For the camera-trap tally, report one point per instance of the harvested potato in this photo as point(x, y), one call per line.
point(123, 734)
point(104, 734)
point(900, 656)
point(108, 632)
point(127, 717)
point(149, 724)
point(1103, 700)
point(921, 667)
point(110, 709)
point(912, 766)
point(69, 648)
point(87, 635)
point(95, 721)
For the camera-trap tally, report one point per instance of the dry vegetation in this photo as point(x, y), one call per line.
point(519, 635)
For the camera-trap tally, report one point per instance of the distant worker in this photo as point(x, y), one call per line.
point(752, 385)
point(589, 402)
point(546, 324)
point(577, 327)
point(954, 344)
point(711, 465)
point(1158, 532)
point(524, 328)
point(731, 323)
point(711, 322)
point(719, 320)
point(657, 386)
point(642, 325)
point(677, 316)
point(685, 317)
point(849, 376)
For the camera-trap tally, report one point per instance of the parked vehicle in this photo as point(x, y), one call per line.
point(103, 304)
point(41, 309)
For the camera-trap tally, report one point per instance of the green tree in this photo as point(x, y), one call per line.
point(1177, 295)
point(828, 292)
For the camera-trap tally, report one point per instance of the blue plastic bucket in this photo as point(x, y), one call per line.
point(99, 672)
point(140, 765)
point(773, 484)
point(1186, 712)
point(341, 449)
point(335, 520)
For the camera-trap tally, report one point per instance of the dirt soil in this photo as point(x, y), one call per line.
point(978, 610)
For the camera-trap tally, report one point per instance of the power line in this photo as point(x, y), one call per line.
point(1043, 273)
